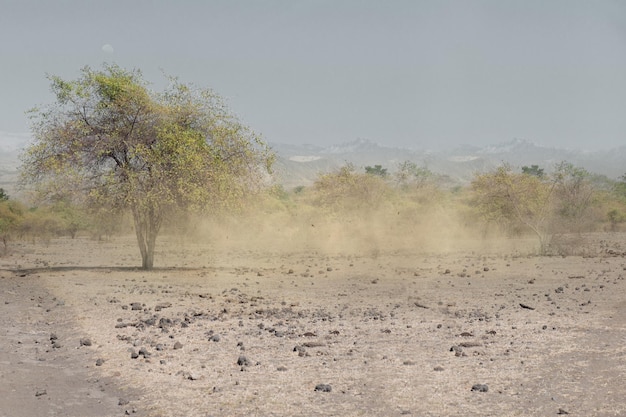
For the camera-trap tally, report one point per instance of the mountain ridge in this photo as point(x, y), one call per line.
point(300, 164)
point(460, 163)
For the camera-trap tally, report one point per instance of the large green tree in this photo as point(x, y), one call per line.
point(110, 141)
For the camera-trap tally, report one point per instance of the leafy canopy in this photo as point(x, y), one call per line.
point(110, 141)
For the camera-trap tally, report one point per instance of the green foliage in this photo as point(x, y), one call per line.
point(410, 175)
point(72, 218)
point(514, 200)
point(377, 170)
point(533, 170)
point(3, 195)
point(11, 214)
point(109, 141)
point(545, 205)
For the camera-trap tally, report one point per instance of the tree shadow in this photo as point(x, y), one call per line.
point(23, 272)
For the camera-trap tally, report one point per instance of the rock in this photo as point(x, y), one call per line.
point(136, 306)
point(438, 368)
point(480, 388)
point(215, 338)
point(134, 354)
point(561, 411)
point(122, 401)
point(143, 351)
point(301, 351)
point(40, 392)
point(323, 388)
point(243, 361)
point(161, 306)
point(178, 345)
point(99, 362)
point(85, 342)
point(281, 369)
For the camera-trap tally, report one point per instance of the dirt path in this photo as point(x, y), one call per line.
point(45, 371)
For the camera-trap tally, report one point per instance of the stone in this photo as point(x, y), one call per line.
point(243, 361)
point(323, 388)
point(480, 388)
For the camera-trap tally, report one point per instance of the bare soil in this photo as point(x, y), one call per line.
point(238, 332)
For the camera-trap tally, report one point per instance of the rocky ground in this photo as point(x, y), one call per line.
point(261, 333)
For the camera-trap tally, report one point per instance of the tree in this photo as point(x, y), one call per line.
point(11, 214)
point(509, 199)
point(346, 189)
point(574, 194)
point(377, 170)
point(110, 141)
point(411, 175)
point(533, 170)
point(547, 205)
point(3, 195)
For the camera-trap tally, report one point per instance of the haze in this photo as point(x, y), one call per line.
point(416, 74)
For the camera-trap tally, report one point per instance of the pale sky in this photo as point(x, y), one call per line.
point(418, 74)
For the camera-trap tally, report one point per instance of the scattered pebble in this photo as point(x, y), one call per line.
point(323, 388)
point(480, 387)
point(243, 361)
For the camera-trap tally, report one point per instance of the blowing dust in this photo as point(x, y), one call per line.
point(362, 232)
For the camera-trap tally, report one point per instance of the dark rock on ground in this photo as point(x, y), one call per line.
point(243, 361)
point(480, 388)
point(323, 388)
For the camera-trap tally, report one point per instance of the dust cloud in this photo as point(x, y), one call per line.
point(361, 232)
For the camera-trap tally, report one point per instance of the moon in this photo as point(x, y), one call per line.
point(107, 48)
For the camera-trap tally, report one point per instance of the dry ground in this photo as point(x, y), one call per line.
point(253, 332)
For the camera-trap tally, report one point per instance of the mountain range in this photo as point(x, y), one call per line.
point(300, 165)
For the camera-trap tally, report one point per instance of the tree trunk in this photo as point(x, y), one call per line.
point(147, 225)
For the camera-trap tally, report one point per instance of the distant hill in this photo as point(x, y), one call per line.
point(301, 164)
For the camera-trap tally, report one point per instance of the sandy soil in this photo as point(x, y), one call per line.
point(262, 333)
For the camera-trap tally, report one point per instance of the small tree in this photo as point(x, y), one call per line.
point(533, 170)
point(509, 198)
point(574, 195)
point(110, 141)
point(11, 214)
point(377, 170)
point(346, 189)
point(409, 174)
point(547, 205)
